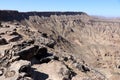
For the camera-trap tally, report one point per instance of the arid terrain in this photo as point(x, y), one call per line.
point(58, 46)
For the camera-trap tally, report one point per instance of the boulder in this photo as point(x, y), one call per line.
point(3, 41)
point(12, 72)
point(81, 67)
point(45, 41)
point(51, 44)
point(42, 53)
point(15, 38)
point(9, 74)
point(1, 72)
point(55, 69)
point(28, 52)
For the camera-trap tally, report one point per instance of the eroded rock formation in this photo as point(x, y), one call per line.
point(58, 46)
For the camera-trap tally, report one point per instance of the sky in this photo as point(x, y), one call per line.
point(107, 8)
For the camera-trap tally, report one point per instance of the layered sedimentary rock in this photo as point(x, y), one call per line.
point(58, 46)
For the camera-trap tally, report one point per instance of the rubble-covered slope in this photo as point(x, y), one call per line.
point(58, 46)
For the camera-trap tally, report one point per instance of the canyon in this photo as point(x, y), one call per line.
point(58, 46)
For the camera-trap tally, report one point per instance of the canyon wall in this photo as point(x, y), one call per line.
point(86, 47)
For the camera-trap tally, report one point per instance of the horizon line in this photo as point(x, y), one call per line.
point(60, 11)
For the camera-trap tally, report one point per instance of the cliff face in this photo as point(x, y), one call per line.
point(59, 45)
point(9, 15)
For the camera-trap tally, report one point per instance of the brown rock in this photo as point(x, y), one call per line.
point(9, 74)
point(3, 41)
point(28, 52)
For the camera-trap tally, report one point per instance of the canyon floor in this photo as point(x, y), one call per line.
point(58, 46)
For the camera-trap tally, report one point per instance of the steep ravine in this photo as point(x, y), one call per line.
point(58, 46)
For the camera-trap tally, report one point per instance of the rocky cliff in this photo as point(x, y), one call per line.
point(58, 46)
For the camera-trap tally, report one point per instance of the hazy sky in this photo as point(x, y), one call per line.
point(92, 7)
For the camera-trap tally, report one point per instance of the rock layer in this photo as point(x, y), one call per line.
point(58, 46)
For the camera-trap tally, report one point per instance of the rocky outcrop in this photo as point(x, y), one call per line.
point(58, 46)
point(28, 52)
point(3, 41)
